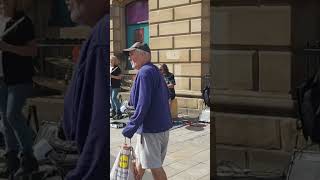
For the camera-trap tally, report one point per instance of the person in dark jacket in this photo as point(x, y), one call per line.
point(151, 119)
point(18, 48)
point(86, 101)
point(115, 74)
point(169, 78)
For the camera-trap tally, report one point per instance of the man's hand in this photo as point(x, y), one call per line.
point(30, 49)
point(126, 147)
point(136, 168)
point(135, 172)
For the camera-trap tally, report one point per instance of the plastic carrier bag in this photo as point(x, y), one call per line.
point(124, 165)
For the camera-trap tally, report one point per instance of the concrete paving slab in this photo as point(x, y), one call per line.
point(183, 165)
point(207, 177)
point(170, 171)
point(183, 145)
point(198, 171)
point(203, 156)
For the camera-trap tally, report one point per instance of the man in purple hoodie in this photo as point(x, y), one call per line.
point(152, 119)
point(86, 101)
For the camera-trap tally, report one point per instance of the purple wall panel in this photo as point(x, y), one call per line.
point(137, 11)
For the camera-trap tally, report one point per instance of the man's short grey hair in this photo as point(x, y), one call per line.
point(146, 54)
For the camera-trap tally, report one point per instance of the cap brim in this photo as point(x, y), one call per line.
point(126, 51)
point(129, 49)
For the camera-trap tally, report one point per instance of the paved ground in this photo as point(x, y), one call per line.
point(247, 178)
point(188, 156)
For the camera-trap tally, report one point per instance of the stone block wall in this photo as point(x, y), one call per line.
point(251, 25)
point(251, 62)
point(262, 144)
point(252, 48)
point(176, 29)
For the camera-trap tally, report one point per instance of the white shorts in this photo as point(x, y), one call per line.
point(151, 149)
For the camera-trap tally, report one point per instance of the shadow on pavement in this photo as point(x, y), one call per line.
point(196, 127)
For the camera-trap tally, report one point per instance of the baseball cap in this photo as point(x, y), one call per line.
point(137, 45)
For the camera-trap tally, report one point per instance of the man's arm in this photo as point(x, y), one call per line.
point(116, 77)
point(30, 49)
point(144, 101)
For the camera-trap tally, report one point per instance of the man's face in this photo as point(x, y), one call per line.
point(161, 70)
point(135, 59)
point(76, 9)
point(112, 61)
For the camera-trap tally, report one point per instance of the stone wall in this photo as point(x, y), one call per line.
point(251, 65)
point(176, 28)
point(251, 48)
point(259, 143)
point(179, 37)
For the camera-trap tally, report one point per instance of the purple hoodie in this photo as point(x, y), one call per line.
point(150, 98)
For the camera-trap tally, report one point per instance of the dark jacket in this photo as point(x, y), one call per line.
point(116, 83)
point(169, 78)
point(18, 69)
